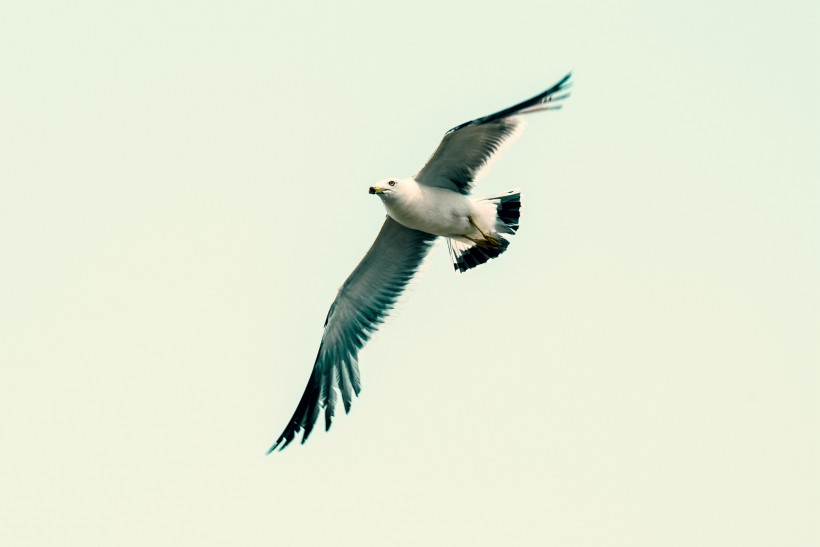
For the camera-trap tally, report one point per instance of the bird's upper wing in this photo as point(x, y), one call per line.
point(467, 148)
point(361, 305)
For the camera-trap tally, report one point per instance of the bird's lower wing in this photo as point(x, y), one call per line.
point(361, 305)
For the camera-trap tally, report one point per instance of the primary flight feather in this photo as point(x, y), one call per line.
point(434, 203)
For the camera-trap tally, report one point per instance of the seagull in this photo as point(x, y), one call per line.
point(434, 203)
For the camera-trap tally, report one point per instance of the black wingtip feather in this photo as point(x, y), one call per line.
point(533, 104)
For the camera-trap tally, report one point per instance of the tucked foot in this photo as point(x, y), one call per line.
point(492, 240)
point(488, 241)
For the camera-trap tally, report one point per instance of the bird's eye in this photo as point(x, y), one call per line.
point(392, 183)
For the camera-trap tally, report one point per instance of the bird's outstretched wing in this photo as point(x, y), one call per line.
point(468, 147)
point(362, 303)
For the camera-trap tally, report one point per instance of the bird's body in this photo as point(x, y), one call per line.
point(434, 203)
point(435, 210)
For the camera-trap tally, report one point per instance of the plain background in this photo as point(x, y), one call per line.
point(183, 188)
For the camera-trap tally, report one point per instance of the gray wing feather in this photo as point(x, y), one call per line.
point(361, 305)
point(468, 147)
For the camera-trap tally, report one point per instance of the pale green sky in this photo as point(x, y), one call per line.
point(183, 189)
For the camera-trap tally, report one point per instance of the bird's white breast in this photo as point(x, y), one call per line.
point(433, 210)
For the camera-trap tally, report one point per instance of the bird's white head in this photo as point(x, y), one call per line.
point(393, 188)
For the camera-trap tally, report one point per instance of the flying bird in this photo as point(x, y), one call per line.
point(434, 203)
